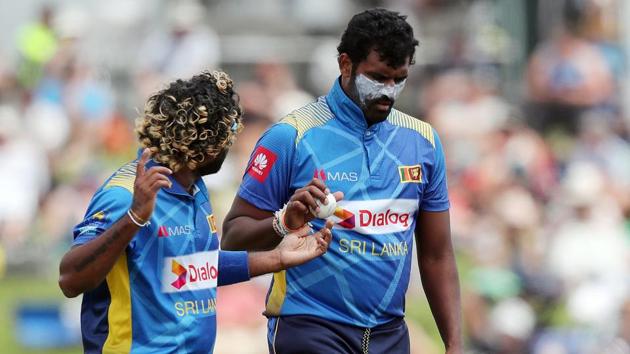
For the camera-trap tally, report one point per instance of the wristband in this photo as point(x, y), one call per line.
point(279, 225)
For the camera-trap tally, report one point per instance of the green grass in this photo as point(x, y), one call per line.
point(17, 290)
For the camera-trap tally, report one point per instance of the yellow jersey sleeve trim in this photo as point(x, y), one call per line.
point(124, 177)
point(119, 312)
point(406, 121)
point(310, 116)
point(277, 295)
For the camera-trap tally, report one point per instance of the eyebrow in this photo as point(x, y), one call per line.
point(378, 76)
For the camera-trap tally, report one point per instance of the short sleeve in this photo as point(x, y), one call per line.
point(266, 181)
point(106, 207)
point(435, 196)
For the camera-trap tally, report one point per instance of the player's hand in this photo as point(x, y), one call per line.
point(298, 208)
point(147, 184)
point(299, 247)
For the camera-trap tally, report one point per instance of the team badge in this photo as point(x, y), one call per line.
point(212, 223)
point(410, 174)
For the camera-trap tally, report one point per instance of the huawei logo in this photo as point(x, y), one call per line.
point(260, 161)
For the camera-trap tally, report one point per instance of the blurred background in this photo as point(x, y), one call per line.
point(530, 98)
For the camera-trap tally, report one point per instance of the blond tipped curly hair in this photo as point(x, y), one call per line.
point(191, 121)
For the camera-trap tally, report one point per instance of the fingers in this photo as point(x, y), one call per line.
point(338, 195)
point(159, 170)
point(324, 236)
point(146, 154)
point(160, 181)
point(308, 197)
point(318, 183)
point(298, 207)
point(327, 235)
point(317, 188)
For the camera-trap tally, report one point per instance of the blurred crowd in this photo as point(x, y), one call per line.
point(539, 164)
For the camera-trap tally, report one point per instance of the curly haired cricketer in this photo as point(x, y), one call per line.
point(146, 257)
point(390, 167)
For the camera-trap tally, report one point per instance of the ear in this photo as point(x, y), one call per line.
point(345, 65)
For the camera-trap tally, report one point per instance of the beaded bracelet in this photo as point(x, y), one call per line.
point(279, 225)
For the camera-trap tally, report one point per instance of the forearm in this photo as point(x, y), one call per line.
point(441, 285)
point(247, 233)
point(84, 267)
point(264, 262)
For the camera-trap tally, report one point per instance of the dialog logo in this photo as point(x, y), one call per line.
point(346, 218)
point(180, 271)
point(261, 163)
point(190, 272)
point(376, 216)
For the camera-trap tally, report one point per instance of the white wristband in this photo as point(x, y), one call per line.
point(133, 219)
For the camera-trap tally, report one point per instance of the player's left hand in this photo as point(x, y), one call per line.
point(298, 247)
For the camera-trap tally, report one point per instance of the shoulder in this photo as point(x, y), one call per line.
point(123, 178)
point(303, 119)
point(417, 126)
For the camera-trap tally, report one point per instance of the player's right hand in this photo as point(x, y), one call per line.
point(148, 182)
point(298, 208)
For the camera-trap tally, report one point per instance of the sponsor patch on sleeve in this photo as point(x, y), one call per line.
point(261, 163)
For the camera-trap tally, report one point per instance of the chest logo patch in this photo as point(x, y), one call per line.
point(190, 272)
point(410, 174)
point(212, 223)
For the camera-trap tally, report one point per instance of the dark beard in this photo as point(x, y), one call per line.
point(213, 166)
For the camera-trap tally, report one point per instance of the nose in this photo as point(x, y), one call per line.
point(389, 83)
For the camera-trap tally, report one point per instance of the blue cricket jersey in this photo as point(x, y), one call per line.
point(388, 172)
point(160, 297)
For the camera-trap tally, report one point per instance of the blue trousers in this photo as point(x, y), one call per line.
point(315, 335)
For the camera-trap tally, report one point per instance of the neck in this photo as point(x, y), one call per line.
point(186, 178)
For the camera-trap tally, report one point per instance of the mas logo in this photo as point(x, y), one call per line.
point(262, 161)
point(376, 216)
point(190, 272)
point(341, 176)
point(177, 230)
point(410, 174)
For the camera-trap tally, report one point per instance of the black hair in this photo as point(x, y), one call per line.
point(385, 31)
